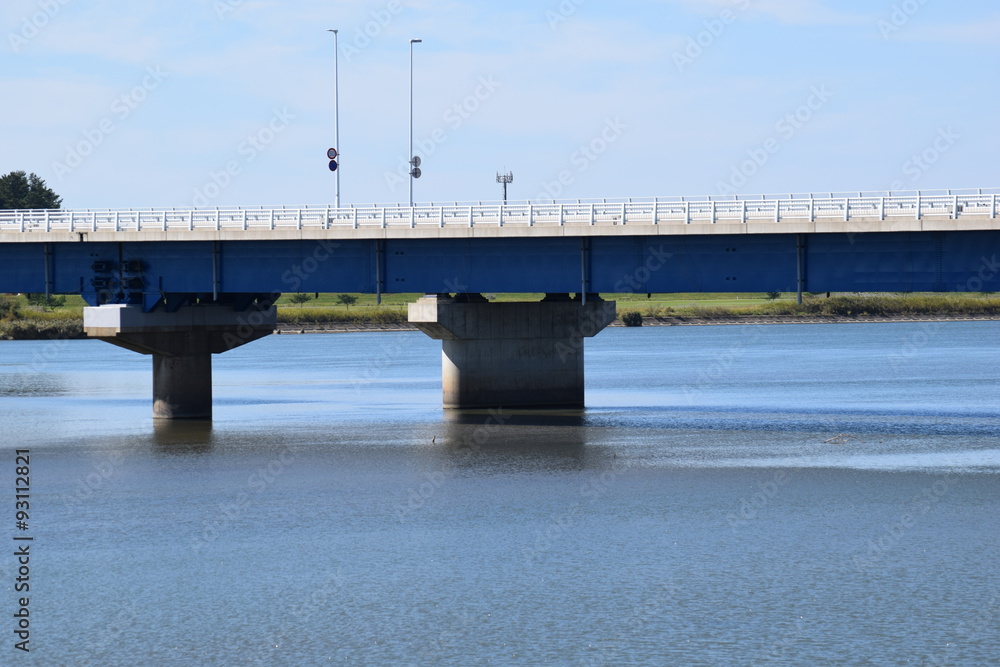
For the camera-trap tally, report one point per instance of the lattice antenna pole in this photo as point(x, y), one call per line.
point(505, 179)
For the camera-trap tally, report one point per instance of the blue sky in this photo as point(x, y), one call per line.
point(230, 102)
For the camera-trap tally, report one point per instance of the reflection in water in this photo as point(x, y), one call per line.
point(182, 436)
point(526, 440)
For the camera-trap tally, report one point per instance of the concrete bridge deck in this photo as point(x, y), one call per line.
point(667, 216)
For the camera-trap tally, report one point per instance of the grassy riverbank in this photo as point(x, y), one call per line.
point(19, 320)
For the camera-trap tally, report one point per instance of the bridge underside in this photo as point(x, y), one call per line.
point(186, 300)
point(170, 274)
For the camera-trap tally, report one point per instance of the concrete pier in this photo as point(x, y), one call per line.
point(511, 354)
point(182, 344)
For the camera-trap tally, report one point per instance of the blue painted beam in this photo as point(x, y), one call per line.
point(169, 273)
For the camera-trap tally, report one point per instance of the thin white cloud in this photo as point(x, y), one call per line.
point(791, 12)
point(980, 32)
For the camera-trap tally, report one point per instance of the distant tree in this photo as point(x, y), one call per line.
point(771, 296)
point(46, 302)
point(347, 300)
point(20, 190)
point(299, 298)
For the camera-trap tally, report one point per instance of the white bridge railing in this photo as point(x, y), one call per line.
point(652, 211)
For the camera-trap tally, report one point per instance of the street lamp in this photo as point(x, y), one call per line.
point(414, 160)
point(336, 108)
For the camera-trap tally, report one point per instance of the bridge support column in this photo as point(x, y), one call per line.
point(511, 354)
point(182, 344)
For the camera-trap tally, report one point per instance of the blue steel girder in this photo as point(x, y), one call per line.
point(171, 273)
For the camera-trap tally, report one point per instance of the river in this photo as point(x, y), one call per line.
point(732, 495)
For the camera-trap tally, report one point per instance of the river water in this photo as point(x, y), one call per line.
point(732, 495)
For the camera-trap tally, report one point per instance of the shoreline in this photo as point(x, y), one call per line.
point(376, 327)
point(355, 327)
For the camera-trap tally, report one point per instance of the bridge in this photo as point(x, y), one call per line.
point(183, 284)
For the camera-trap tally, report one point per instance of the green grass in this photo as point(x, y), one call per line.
point(20, 320)
point(844, 306)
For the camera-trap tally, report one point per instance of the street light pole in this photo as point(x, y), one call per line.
point(336, 108)
point(412, 158)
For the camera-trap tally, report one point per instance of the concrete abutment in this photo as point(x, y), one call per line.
point(511, 354)
point(181, 344)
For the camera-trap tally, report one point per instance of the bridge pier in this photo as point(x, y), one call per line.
point(511, 354)
point(182, 344)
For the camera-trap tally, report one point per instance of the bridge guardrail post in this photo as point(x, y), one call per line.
point(441, 216)
point(687, 213)
point(847, 209)
point(713, 211)
point(993, 208)
point(562, 215)
point(592, 213)
point(954, 207)
point(881, 208)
